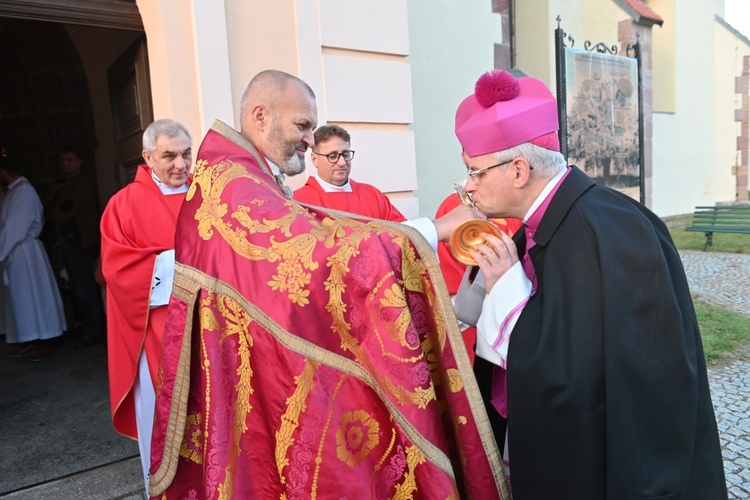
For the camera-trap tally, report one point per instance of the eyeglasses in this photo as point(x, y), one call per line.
point(334, 157)
point(475, 175)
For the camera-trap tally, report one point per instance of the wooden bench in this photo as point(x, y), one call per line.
point(721, 219)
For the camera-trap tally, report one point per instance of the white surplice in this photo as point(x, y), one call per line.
point(35, 305)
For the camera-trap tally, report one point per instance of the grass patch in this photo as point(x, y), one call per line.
point(723, 332)
point(688, 240)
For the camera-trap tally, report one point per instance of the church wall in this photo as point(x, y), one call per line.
point(393, 73)
point(261, 35)
point(170, 35)
point(379, 27)
point(353, 54)
point(731, 48)
point(451, 45)
point(692, 89)
point(664, 57)
point(685, 165)
point(535, 38)
point(212, 64)
point(585, 20)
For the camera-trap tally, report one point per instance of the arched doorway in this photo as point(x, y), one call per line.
point(55, 90)
point(55, 56)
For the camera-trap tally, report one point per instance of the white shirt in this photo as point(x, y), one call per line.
point(161, 284)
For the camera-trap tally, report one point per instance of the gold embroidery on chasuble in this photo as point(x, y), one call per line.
point(394, 297)
point(406, 490)
point(358, 434)
point(290, 420)
point(455, 382)
point(192, 444)
point(299, 403)
point(388, 450)
point(221, 314)
point(321, 444)
point(294, 255)
point(414, 275)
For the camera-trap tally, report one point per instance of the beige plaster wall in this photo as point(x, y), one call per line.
point(202, 55)
point(451, 45)
point(685, 172)
point(535, 38)
point(381, 27)
point(664, 56)
point(730, 50)
point(357, 69)
point(585, 20)
point(212, 63)
point(262, 35)
point(352, 53)
point(172, 61)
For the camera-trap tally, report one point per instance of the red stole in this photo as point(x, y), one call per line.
point(308, 354)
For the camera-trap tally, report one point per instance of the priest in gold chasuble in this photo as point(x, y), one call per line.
point(308, 354)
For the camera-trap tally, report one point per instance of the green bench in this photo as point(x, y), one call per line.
point(721, 219)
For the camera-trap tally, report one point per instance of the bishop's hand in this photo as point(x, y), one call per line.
point(495, 257)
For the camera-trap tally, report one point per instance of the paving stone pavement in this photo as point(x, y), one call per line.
point(723, 279)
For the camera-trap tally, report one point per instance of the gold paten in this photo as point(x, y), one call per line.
point(466, 236)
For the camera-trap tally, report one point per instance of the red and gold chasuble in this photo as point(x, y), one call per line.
point(308, 354)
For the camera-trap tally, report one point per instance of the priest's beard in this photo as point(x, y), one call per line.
point(289, 161)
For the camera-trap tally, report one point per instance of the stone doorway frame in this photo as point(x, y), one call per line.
point(98, 13)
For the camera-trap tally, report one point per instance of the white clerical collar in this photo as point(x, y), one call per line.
point(167, 189)
point(330, 188)
point(16, 182)
point(543, 195)
point(275, 170)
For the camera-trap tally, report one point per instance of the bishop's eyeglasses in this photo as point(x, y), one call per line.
point(475, 175)
point(334, 157)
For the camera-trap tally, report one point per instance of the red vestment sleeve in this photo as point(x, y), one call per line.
point(137, 225)
point(363, 199)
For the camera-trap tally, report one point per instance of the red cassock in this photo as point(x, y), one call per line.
point(307, 354)
point(453, 270)
point(137, 225)
point(363, 199)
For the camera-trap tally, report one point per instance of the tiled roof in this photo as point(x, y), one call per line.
point(640, 12)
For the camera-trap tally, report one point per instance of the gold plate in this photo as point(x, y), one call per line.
point(466, 236)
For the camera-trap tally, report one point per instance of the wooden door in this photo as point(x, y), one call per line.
point(130, 95)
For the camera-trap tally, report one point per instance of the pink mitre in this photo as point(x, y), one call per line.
point(504, 112)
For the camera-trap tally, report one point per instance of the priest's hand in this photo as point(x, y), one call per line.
point(448, 222)
point(494, 257)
